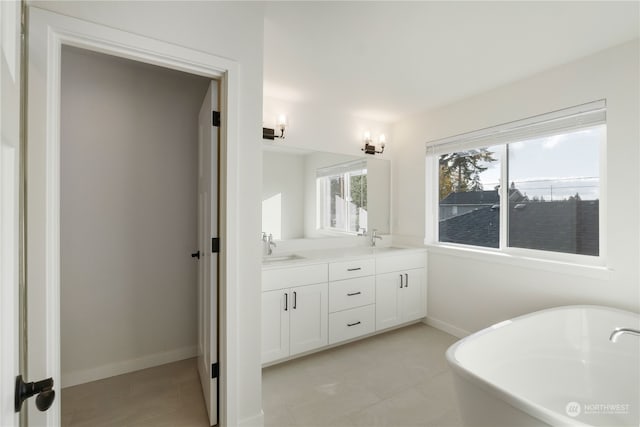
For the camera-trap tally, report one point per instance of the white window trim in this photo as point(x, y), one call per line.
point(548, 260)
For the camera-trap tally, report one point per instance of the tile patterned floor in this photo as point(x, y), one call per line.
point(399, 378)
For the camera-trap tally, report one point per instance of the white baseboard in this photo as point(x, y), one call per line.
point(118, 368)
point(446, 327)
point(254, 421)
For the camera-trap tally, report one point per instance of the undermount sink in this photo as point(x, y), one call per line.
point(272, 259)
point(387, 248)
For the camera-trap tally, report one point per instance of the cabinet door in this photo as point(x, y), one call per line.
point(276, 307)
point(412, 297)
point(309, 317)
point(387, 300)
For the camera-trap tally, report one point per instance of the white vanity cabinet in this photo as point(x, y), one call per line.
point(351, 299)
point(294, 318)
point(400, 289)
point(310, 305)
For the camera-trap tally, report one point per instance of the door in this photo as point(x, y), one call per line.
point(412, 301)
point(9, 213)
point(309, 316)
point(275, 325)
point(208, 260)
point(388, 291)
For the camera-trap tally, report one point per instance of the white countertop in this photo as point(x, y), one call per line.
point(320, 256)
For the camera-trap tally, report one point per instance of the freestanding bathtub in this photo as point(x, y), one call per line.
point(553, 367)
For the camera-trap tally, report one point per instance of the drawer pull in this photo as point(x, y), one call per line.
point(406, 278)
point(353, 324)
point(401, 284)
point(354, 269)
point(286, 301)
point(353, 293)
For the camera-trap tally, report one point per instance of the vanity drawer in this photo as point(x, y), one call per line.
point(288, 277)
point(351, 293)
point(353, 323)
point(391, 263)
point(350, 269)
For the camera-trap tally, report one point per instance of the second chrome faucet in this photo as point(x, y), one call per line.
point(373, 236)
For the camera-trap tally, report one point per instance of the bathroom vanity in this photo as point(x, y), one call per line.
point(321, 298)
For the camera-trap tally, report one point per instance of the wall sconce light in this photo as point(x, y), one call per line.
point(369, 148)
point(268, 133)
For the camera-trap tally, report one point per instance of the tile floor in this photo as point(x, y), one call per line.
point(165, 396)
point(399, 378)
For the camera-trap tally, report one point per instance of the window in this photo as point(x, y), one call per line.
point(342, 197)
point(550, 168)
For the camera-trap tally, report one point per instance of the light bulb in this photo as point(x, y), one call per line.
point(382, 139)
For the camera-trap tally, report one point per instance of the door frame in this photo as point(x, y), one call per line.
point(47, 33)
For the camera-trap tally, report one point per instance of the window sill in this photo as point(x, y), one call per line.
point(499, 257)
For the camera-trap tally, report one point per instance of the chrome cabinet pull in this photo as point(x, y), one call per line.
point(353, 324)
point(354, 269)
point(353, 293)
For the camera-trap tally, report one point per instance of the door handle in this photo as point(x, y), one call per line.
point(295, 300)
point(44, 390)
point(401, 284)
point(196, 255)
point(286, 301)
point(406, 280)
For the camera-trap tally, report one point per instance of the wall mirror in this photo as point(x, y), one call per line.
point(311, 194)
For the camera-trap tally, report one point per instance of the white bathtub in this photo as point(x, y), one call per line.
point(553, 367)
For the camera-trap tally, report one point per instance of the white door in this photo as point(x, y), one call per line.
point(208, 261)
point(387, 300)
point(9, 225)
point(309, 317)
point(412, 300)
point(275, 325)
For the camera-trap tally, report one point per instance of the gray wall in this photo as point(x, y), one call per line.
point(128, 223)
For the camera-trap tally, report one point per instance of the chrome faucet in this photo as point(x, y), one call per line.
point(374, 236)
point(268, 243)
point(620, 331)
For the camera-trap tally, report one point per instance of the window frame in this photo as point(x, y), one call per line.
point(322, 194)
point(432, 197)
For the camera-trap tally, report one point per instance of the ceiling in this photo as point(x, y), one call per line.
point(385, 60)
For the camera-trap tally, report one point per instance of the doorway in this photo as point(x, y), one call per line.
point(48, 33)
point(130, 175)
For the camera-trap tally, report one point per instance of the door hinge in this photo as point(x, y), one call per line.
point(216, 118)
point(214, 370)
point(215, 245)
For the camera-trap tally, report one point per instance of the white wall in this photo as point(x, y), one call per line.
point(233, 30)
point(283, 174)
point(129, 159)
point(485, 290)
